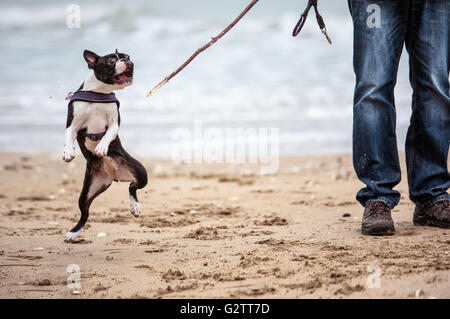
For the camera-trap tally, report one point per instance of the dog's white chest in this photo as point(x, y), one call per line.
point(94, 116)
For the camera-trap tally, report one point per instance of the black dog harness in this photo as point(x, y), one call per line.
point(94, 97)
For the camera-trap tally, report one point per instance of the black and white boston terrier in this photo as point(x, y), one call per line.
point(93, 120)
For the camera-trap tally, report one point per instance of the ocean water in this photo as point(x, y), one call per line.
point(256, 76)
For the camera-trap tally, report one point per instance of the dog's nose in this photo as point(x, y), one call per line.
point(121, 66)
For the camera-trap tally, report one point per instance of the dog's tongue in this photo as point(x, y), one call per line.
point(122, 77)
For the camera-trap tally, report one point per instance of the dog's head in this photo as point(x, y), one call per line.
point(112, 69)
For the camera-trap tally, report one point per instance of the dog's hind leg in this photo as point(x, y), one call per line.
point(140, 181)
point(95, 183)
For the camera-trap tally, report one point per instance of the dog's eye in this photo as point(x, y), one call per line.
point(111, 61)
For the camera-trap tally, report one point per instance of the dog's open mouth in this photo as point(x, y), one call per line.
point(124, 77)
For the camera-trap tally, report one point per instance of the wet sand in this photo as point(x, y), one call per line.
point(211, 231)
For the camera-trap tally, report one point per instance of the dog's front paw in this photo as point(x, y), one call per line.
point(71, 236)
point(69, 153)
point(101, 150)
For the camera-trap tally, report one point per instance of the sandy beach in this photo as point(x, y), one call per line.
point(211, 231)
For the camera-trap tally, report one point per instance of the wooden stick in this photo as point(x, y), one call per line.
point(203, 48)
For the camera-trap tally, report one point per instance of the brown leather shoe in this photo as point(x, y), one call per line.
point(437, 215)
point(377, 219)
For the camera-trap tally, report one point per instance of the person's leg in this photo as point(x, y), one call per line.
point(377, 51)
point(428, 138)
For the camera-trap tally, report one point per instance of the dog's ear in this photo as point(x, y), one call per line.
point(91, 58)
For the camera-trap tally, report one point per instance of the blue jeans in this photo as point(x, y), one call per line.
point(381, 28)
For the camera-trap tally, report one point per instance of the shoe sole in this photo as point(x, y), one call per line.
point(378, 231)
point(425, 220)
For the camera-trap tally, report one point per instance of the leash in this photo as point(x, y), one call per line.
point(302, 20)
